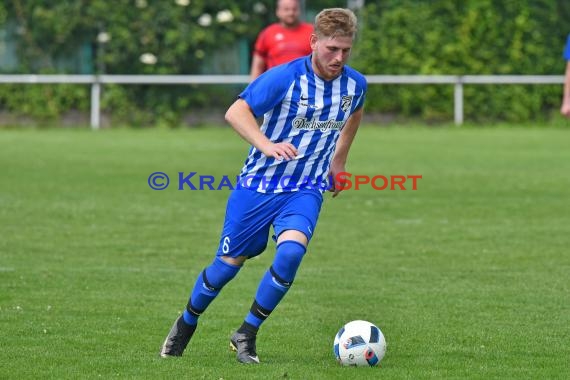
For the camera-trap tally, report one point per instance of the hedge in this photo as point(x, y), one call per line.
point(470, 37)
point(180, 36)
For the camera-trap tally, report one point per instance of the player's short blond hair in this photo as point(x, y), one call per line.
point(335, 22)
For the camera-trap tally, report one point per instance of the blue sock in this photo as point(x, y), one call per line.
point(276, 281)
point(207, 287)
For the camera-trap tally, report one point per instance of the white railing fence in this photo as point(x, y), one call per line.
point(96, 81)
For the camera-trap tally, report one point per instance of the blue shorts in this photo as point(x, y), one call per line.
point(250, 214)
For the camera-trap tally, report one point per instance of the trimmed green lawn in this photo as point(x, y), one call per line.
point(467, 276)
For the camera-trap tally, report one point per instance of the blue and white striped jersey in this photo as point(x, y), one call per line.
point(300, 108)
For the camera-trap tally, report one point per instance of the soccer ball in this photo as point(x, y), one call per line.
point(359, 343)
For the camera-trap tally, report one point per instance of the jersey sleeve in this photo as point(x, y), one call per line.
point(567, 49)
point(267, 90)
point(362, 86)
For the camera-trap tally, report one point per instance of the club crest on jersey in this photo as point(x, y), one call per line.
point(345, 102)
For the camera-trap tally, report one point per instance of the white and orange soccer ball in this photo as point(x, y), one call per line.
point(359, 343)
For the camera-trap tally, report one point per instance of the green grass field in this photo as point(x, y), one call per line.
point(468, 276)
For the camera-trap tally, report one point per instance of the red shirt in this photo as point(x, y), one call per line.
point(277, 44)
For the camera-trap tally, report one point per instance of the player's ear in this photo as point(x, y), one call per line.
point(314, 40)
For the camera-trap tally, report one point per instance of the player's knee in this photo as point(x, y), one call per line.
point(236, 261)
point(287, 260)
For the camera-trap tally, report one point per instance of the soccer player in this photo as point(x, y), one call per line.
point(282, 41)
point(565, 108)
point(311, 110)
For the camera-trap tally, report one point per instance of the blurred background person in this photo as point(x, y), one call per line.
point(282, 41)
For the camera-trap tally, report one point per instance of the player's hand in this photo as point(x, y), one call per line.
point(335, 188)
point(565, 109)
point(280, 151)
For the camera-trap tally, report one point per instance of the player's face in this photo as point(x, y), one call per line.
point(330, 55)
point(288, 12)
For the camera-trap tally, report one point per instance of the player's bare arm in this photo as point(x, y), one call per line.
point(241, 118)
point(338, 163)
